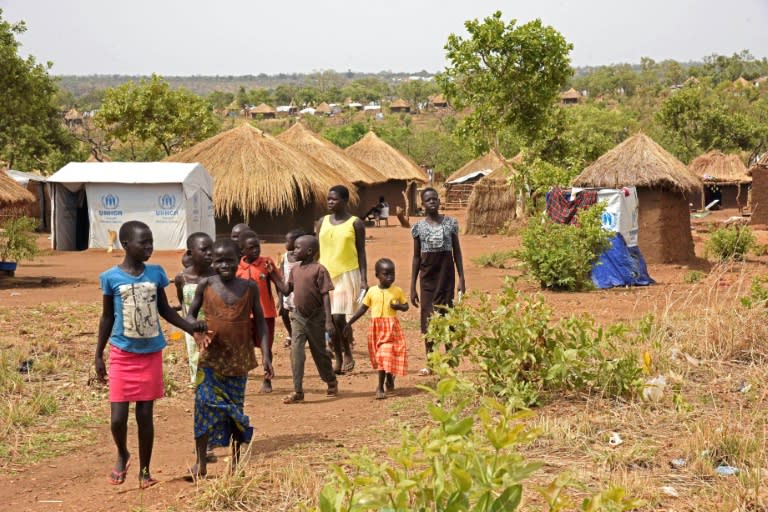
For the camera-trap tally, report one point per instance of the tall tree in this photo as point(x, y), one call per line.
point(508, 75)
point(32, 135)
point(153, 115)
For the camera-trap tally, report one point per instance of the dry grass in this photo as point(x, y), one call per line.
point(306, 141)
point(489, 161)
point(639, 162)
point(491, 207)
point(385, 159)
point(718, 167)
point(254, 172)
point(713, 411)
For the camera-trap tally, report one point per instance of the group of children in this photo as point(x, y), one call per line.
point(225, 292)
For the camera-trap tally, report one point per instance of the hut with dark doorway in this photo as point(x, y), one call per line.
point(758, 203)
point(664, 187)
point(437, 101)
point(400, 106)
point(458, 186)
point(14, 199)
point(263, 182)
point(724, 178)
point(37, 185)
point(570, 97)
point(262, 111)
point(403, 175)
point(370, 183)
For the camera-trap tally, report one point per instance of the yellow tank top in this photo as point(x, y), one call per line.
point(338, 252)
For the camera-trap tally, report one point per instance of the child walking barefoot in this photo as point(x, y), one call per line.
point(261, 270)
point(133, 299)
point(386, 343)
point(200, 254)
point(230, 304)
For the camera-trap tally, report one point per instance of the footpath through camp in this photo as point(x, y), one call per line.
point(59, 458)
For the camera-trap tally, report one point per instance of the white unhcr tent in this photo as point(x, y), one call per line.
point(90, 199)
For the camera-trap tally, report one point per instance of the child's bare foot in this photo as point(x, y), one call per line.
point(266, 386)
point(380, 394)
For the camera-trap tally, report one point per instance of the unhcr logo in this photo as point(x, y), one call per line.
point(609, 220)
point(109, 205)
point(167, 204)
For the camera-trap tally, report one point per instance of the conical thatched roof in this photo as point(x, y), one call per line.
point(254, 172)
point(13, 194)
point(400, 103)
point(489, 161)
point(72, 115)
point(323, 108)
point(639, 162)
point(263, 108)
point(437, 99)
point(571, 94)
point(307, 141)
point(503, 172)
point(720, 168)
point(385, 159)
point(741, 82)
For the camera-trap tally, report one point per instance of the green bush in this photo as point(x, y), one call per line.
point(17, 239)
point(693, 276)
point(758, 293)
point(522, 352)
point(730, 243)
point(465, 459)
point(497, 259)
point(560, 256)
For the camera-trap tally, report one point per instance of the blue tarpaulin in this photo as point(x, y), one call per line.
point(620, 265)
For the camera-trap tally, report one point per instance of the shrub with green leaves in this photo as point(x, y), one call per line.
point(465, 459)
point(758, 293)
point(522, 352)
point(17, 239)
point(561, 256)
point(730, 243)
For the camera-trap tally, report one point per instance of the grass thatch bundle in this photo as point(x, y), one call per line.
point(385, 159)
point(571, 94)
point(254, 172)
point(717, 167)
point(12, 194)
point(263, 108)
point(491, 207)
point(504, 172)
point(330, 154)
point(489, 160)
point(399, 103)
point(323, 108)
point(639, 162)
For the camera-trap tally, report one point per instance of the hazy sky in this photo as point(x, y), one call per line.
point(235, 37)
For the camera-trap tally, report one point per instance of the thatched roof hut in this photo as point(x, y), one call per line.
point(491, 207)
point(323, 108)
point(385, 159)
point(722, 179)
point(402, 173)
point(399, 105)
point(486, 162)
point(263, 110)
point(570, 97)
point(12, 194)
point(459, 185)
point(438, 101)
point(263, 181)
point(663, 185)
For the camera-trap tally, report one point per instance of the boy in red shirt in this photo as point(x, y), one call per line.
point(262, 270)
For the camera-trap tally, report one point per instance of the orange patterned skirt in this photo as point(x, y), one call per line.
point(386, 346)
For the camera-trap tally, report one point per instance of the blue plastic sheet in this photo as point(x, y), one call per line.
point(620, 265)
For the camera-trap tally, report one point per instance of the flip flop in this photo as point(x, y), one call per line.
point(147, 482)
point(348, 366)
point(425, 372)
point(118, 477)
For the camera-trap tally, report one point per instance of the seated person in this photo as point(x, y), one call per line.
point(375, 212)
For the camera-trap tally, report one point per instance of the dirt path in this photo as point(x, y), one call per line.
point(77, 481)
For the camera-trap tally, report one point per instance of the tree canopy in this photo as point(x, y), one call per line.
point(31, 131)
point(154, 120)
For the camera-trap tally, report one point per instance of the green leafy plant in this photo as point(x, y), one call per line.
point(521, 351)
point(561, 256)
point(465, 459)
point(730, 243)
point(758, 293)
point(496, 259)
point(693, 276)
point(17, 240)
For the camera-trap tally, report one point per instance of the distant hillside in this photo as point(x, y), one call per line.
point(80, 85)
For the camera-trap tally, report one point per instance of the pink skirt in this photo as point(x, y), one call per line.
point(135, 377)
